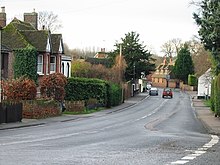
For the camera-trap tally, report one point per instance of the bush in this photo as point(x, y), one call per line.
point(115, 95)
point(212, 99)
point(19, 89)
point(107, 94)
point(52, 86)
point(192, 80)
point(85, 88)
point(217, 95)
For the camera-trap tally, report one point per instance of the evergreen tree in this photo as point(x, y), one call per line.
point(184, 64)
point(208, 20)
point(137, 58)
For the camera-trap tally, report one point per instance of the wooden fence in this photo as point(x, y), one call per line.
point(10, 112)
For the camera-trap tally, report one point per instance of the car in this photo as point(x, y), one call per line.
point(148, 86)
point(167, 92)
point(153, 91)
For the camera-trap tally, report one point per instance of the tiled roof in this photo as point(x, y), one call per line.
point(55, 39)
point(4, 48)
point(37, 38)
point(19, 34)
point(20, 25)
point(12, 38)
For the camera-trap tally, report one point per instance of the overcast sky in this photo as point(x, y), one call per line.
point(100, 23)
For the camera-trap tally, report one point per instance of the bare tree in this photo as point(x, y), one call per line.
point(172, 47)
point(49, 21)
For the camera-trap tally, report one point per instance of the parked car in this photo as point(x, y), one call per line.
point(148, 86)
point(153, 91)
point(167, 92)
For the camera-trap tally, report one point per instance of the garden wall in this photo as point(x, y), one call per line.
point(40, 109)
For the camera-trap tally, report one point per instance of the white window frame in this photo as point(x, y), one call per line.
point(53, 65)
point(40, 65)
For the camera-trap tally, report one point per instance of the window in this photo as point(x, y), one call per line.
point(63, 68)
point(68, 70)
point(40, 64)
point(52, 64)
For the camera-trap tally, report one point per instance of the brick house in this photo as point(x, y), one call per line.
point(102, 54)
point(163, 75)
point(19, 34)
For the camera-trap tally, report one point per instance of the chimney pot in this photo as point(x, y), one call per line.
point(3, 9)
point(2, 17)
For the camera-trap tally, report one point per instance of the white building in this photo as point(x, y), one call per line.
point(204, 84)
point(66, 65)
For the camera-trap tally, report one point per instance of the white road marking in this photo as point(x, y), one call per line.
point(180, 162)
point(153, 112)
point(199, 151)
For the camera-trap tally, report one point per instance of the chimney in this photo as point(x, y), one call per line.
point(165, 60)
point(103, 50)
point(2, 17)
point(171, 60)
point(31, 18)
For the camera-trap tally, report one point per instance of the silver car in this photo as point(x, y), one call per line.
point(153, 91)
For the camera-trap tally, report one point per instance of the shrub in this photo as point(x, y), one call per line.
point(85, 88)
point(19, 89)
point(212, 99)
point(107, 94)
point(192, 80)
point(217, 96)
point(115, 95)
point(52, 86)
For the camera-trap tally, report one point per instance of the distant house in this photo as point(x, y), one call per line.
point(204, 85)
point(19, 34)
point(163, 75)
point(102, 54)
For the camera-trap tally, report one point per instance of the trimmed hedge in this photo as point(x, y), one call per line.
point(217, 96)
point(192, 80)
point(83, 89)
point(212, 98)
point(106, 93)
point(115, 95)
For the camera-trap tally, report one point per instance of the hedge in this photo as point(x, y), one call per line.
point(217, 96)
point(106, 93)
point(192, 80)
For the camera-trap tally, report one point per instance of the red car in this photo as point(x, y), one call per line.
point(167, 92)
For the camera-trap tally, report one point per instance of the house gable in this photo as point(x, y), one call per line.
point(48, 47)
point(57, 44)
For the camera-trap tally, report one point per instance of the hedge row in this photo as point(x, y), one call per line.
point(192, 80)
point(84, 89)
point(215, 96)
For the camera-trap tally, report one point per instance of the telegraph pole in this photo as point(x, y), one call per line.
point(0, 64)
point(120, 73)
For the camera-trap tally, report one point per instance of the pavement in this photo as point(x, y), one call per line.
point(202, 112)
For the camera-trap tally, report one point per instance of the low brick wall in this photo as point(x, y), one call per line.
point(75, 106)
point(40, 109)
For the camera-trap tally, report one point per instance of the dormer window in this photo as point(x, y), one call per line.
point(60, 47)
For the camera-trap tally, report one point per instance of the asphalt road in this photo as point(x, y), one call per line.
point(155, 131)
